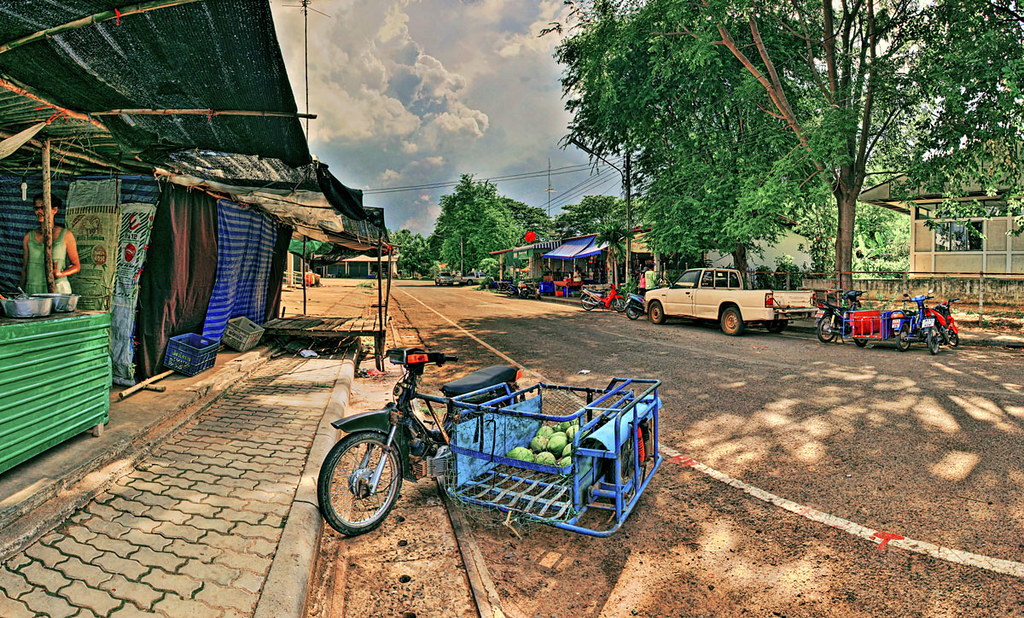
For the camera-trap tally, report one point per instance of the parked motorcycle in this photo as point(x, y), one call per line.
point(589, 299)
point(361, 476)
point(635, 306)
point(946, 324)
point(917, 326)
point(829, 318)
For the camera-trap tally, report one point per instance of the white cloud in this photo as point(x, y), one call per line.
point(411, 92)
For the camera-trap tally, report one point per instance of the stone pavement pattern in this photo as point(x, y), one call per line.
point(193, 530)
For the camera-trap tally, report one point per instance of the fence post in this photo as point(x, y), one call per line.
point(787, 281)
point(981, 297)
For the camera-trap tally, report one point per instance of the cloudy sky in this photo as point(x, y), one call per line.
point(416, 92)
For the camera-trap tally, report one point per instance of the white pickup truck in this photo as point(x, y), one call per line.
point(718, 294)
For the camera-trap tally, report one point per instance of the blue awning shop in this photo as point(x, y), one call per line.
point(583, 253)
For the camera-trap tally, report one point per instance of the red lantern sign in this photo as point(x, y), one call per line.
point(530, 237)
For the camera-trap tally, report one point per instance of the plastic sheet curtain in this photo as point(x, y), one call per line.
point(245, 250)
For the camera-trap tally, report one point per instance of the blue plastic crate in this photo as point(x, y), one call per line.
point(190, 353)
point(547, 287)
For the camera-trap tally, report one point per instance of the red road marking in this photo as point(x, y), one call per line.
point(682, 460)
point(886, 537)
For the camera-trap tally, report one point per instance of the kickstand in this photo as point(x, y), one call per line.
point(508, 524)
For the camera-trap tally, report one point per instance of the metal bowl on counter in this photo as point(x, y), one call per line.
point(62, 303)
point(27, 307)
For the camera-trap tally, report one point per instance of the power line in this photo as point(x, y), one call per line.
point(571, 169)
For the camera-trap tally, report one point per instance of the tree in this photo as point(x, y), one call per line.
point(414, 254)
point(847, 81)
point(614, 234)
point(592, 213)
point(473, 222)
point(707, 154)
point(528, 218)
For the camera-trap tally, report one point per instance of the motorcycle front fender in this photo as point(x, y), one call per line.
point(374, 420)
point(379, 421)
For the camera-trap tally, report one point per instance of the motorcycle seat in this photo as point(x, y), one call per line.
point(481, 378)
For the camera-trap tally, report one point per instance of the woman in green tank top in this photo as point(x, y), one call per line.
point(65, 256)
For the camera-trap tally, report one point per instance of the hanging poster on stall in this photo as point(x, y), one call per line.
point(136, 225)
point(93, 217)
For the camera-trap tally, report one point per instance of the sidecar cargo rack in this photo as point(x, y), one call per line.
point(606, 473)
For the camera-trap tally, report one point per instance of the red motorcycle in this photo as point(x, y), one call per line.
point(945, 323)
point(590, 299)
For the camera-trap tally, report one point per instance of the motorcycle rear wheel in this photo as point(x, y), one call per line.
point(932, 339)
point(588, 303)
point(903, 340)
point(954, 339)
point(342, 488)
point(824, 330)
point(633, 313)
point(619, 304)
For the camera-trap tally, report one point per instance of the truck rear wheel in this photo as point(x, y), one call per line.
point(731, 321)
point(655, 313)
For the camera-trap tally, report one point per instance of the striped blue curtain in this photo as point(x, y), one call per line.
point(245, 248)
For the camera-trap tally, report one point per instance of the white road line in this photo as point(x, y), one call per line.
point(883, 538)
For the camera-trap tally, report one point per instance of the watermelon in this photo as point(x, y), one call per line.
point(557, 443)
point(545, 459)
point(539, 443)
point(521, 453)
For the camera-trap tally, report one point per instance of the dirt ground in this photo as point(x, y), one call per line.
point(694, 546)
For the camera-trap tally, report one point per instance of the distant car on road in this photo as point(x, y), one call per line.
point(472, 278)
point(444, 278)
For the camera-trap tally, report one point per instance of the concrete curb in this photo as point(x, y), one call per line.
point(287, 583)
point(54, 503)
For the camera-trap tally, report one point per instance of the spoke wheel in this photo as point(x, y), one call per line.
point(343, 489)
point(587, 303)
point(633, 313)
point(954, 339)
point(824, 330)
point(619, 304)
point(932, 340)
point(903, 340)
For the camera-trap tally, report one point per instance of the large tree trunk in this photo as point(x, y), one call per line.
point(739, 260)
point(847, 203)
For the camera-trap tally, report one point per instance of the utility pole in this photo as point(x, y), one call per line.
point(462, 256)
point(550, 188)
point(626, 186)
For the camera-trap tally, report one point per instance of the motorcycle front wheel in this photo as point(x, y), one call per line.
point(825, 332)
point(633, 313)
point(343, 489)
point(932, 339)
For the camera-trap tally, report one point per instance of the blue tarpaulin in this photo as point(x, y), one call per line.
point(245, 246)
point(576, 248)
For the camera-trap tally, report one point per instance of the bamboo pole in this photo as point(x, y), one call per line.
point(201, 112)
point(65, 153)
point(89, 20)
point(145, 385)
point(69, 113)
point(47, 220)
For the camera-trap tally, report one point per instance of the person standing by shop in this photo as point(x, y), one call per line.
point(65, 255)
point(649, 277)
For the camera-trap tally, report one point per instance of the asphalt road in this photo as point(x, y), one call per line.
point(925, 447)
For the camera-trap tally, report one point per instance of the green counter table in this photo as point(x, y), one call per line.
point(55, 377)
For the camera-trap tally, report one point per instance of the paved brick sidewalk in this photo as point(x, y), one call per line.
point(193, 530)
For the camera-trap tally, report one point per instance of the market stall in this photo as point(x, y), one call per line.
point(55, 374)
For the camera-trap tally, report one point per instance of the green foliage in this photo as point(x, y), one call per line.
point(474, 221)
point(592, 213)
point(881, 242)
point(414, 253)
point(489, 265)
